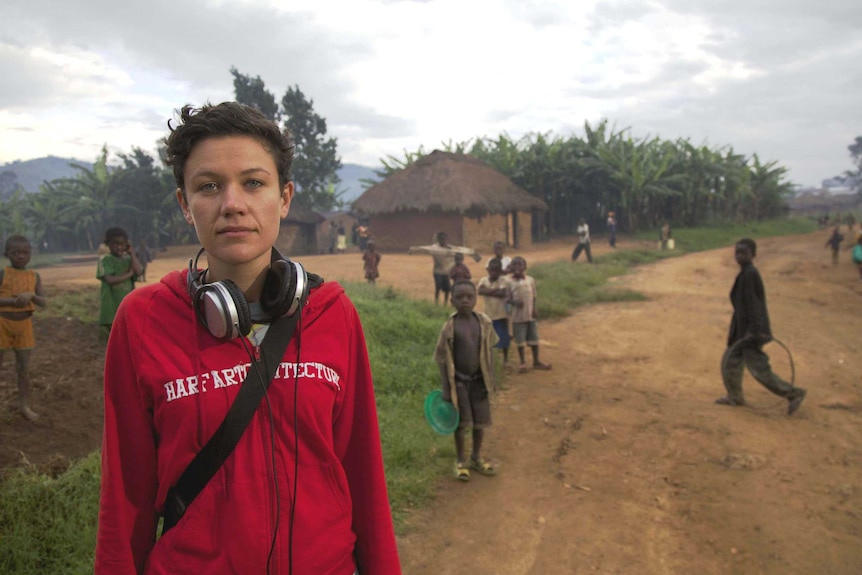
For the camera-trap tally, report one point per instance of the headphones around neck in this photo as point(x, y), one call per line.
point(222, 308)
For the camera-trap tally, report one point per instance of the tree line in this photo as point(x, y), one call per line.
point(645, 181)
point(138, 193)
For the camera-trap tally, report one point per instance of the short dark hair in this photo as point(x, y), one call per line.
point(225, 119)
point(115, 232)
point(15, 239)
point(518, 259)
point(496, 262)
point(463, 282)
point(752, 245)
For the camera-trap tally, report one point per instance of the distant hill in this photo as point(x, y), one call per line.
point(350, 175)
point(31, 173)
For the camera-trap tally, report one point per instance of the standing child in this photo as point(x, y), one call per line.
point(857, 255)
point(370, 262)
point(459, 271)
point(117, 271)
point(583, 241)
point(20, 293)
point(524, 314)
point(496, 291)
point(464, 355)
point(145, 256)
point(340, 239)
point(499, 255)
point(612, 229)
point(834, 242)
point(749, 332)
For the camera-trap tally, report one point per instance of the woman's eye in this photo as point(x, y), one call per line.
point(208, 187)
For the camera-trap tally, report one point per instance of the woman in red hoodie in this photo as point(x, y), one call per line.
point(304, 490)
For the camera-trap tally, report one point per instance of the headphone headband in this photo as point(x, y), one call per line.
point(222, 308)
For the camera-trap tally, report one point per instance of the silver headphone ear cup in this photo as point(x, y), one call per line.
point(300, 293)
point(285, 288)
point(223, 309)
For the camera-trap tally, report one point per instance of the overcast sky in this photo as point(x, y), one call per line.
point(780, 78)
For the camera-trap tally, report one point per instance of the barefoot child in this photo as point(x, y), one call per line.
point(20, 293)
point(117, 271)
point(496, 290)
point(524, 314)
point(749, 332)
point(459, 271)
point(371, 262)
point(463, 354)
point(834, 242)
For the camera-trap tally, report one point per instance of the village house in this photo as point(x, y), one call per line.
point(454, 193)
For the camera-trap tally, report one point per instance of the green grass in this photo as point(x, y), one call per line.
point(47, 525)
point(81, 303)
point(726, 234)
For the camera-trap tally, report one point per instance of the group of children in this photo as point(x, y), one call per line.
point(21, 294)
point(464, 350)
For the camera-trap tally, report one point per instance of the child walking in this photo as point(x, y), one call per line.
point(370, 262)
point(749, 332)
point(834, 242)
point(524, 314)
point(116, 271)
point(496, 290)
point(20, 294)
point(464, 356)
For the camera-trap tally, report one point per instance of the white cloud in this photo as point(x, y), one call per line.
point(761, 75)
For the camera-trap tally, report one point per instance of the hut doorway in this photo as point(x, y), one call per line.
point(512, 229)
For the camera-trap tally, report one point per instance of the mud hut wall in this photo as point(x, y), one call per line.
point(481, 233)
point(297, 239)
point(515, 229)
point(524, 234)
point(397, 232)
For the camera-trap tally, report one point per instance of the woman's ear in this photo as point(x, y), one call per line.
point(184, 206)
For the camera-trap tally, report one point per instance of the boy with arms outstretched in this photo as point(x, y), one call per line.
point(464, 355)
point(20, 294)
point(749, 332)
point(444, 258)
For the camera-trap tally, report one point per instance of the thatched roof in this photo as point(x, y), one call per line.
point(447, 182)
point(301, 215)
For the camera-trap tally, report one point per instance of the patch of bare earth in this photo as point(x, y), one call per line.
point(616, 461)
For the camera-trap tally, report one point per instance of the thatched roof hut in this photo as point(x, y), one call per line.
point(456, 193)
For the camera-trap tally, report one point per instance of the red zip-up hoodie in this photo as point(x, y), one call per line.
point(169, 384)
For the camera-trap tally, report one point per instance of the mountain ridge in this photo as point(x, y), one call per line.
point(30, 174)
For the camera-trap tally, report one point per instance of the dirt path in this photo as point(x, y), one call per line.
point(617, 461)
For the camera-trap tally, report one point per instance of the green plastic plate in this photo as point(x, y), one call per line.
point(441, 414)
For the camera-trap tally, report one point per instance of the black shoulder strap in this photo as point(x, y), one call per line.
point(208, 461)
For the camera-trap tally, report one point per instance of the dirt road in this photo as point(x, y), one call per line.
point(617, 461)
